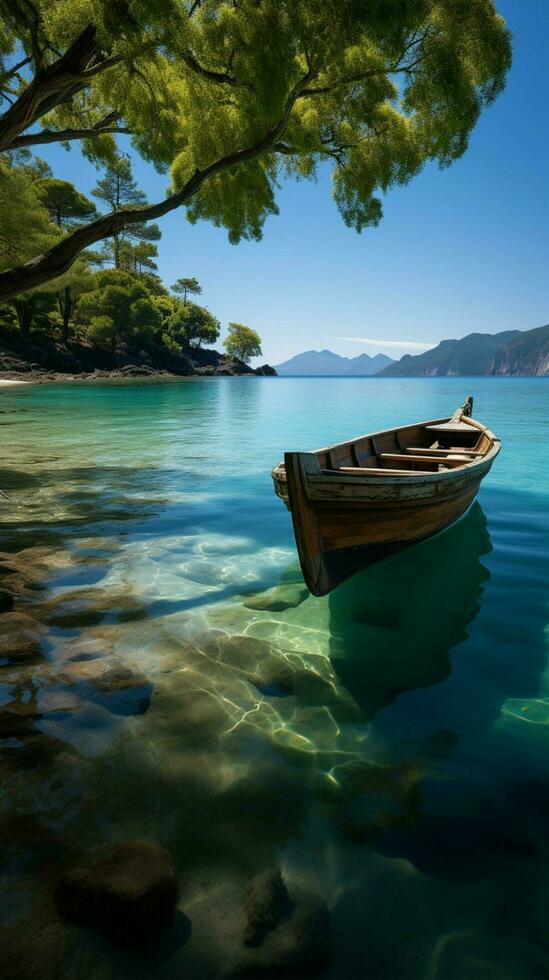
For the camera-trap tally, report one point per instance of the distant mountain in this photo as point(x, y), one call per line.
point(472, 355)
point(364, 364)
point(323, 362)
point(511, 352)
point(526, 354)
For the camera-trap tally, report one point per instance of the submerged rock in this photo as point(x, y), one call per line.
point(88, 607)
point(278, 599)
point(107, 675)
point(266, 901)
point(72, 610)
point(82, 650)
point(130, 893)
point(276, 672)
point(20, 637)
point(286, 933)
point(106, 678)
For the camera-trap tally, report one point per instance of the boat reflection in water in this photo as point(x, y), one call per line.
point(394, 625)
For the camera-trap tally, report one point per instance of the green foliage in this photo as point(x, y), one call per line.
point(170, 344)
point(153, 284)
point(187, 324)
point(34, 306)
point(184, 286)
point(229, 98)
point(119, 308)
point(117, 188)
point(128, 303)
point(131, 249)
point(142, 257)
point(253, 91)
point(66, 206)
point(242, 342)
point(102, 331)
point(390, 86)
point(25, 226)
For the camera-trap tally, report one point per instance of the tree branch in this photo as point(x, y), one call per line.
point(336, 152)
point(58, 259)
point(285, 149)
point(342, 82)
point(50, 87)
point(219, 77)
point(16, 68)
point(99, 67)
point(396, 68)
point(34, 29)
point(63, 135)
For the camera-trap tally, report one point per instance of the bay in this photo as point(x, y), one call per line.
point(385, 746)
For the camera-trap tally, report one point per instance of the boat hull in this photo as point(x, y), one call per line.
point(351, 539)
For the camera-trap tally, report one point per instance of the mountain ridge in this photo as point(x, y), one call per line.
point(471, 355)
point(506, 353)
point(325, 362)
point(527, 354)
point(509, 352)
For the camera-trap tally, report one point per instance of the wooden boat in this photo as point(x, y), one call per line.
point(358, 501)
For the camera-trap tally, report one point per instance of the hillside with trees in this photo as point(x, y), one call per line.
point(110, 311)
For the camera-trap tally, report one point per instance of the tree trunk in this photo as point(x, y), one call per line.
point(24, 317)
point(65, 303)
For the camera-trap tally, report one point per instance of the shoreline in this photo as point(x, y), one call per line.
point(41, 363)
point(153, 377)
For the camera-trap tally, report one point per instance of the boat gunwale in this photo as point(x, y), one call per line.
point(331, 476)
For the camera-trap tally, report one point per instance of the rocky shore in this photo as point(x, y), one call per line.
point(77, 361)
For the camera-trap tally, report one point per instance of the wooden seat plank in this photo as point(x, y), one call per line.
point(376, 471)
point(442, 452)
point(407, 457)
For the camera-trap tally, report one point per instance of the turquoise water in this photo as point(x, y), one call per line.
point(385, 746)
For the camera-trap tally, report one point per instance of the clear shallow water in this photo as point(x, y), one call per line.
point(386, 746)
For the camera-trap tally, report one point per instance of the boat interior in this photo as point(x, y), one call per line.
point(427, 447)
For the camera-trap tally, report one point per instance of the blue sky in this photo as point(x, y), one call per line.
point(458, 250)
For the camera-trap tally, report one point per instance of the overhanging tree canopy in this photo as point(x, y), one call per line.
point(231, 97)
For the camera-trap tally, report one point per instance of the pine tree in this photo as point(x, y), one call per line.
point(184, 286)
point(119, 190)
